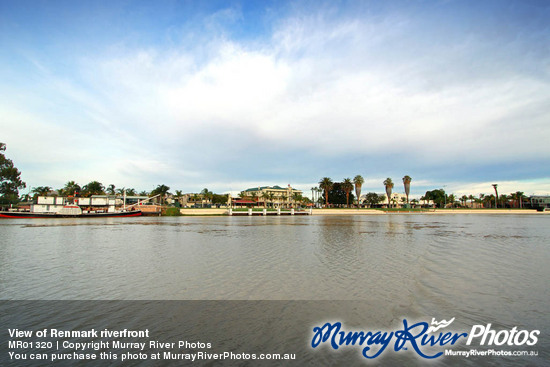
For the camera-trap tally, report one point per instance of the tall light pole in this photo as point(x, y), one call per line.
point(496, 195)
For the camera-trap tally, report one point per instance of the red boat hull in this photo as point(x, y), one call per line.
point(135, 213)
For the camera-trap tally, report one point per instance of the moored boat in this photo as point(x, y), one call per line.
point(14, 214)
point(61, 207)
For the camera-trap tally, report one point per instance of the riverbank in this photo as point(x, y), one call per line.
point(352, 211)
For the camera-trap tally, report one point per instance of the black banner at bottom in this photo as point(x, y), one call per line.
point(207, 333)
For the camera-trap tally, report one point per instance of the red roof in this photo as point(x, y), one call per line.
point(244, 202)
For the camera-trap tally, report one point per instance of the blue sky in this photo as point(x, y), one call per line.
point(231, 95)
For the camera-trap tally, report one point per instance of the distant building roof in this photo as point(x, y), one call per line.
point(276, 187)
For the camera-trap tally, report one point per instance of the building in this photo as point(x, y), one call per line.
point(539, 201)
point(273, 196)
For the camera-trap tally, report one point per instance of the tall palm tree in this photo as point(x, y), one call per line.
point(358, 182)
point(520, 196)
point(313, 193)
point(347, 186)
point(326, 185)
point(496, 195)
point(471, 198)
point(407, 183)
point(388, 183)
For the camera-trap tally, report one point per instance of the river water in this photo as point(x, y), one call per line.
point(370, 271)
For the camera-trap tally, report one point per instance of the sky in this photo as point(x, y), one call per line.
point(228, 95)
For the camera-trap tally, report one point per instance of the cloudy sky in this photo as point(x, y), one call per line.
point(230, 95)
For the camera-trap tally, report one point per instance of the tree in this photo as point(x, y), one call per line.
point(161, 190)
point(265, 196)
point(471, 198)
point(326, 185)
point(271, 197)
point(71, 188)
point(283, 198)
point(178, 195)
point(388, 184)
point(452, 200)
point(358, 182)
point(297, 197)
point(407, 183)
point(347, 186)
point(373, 198)
point(93, 188)
point(41, 190)
point(254, 195)
point(464, 198)
point(438, 196)
point(338, 196)
point(519, 197)
point(111, 189)
point(10, 179)
point(496, 195)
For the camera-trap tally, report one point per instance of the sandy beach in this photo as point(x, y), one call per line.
point(209, 212)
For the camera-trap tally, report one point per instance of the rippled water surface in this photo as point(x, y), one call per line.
point(473, 267)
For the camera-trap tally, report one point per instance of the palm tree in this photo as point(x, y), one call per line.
point(94, 188)
point(496, 195)
point(297, 197)
point(71, 188)
point(254, 196)
point(347, 186)
point(358, 182)
point(283, 198)
point(41, 190)
point(178, 196)
point(519, 195)
point(111, 189)
point(161, 190)
point(407, 182)
point(464, 198)
point(471, 197)
point(271, 196)
point(326, 185)
point(265, 196)
point(388, 183)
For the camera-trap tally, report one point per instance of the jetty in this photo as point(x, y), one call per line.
point(265, 212)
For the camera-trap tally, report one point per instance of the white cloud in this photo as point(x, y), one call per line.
point(321, 84)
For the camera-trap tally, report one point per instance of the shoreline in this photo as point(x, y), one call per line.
point(351, 211)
